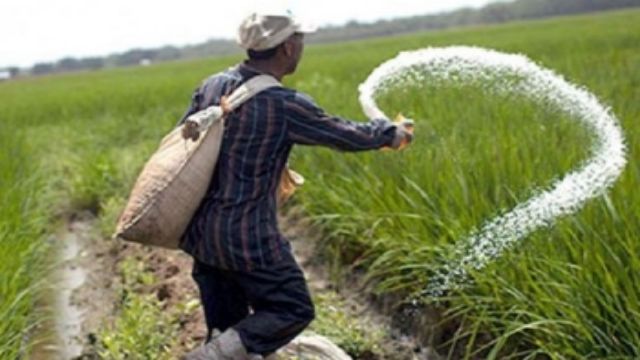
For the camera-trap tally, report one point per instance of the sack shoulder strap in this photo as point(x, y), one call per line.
point(204, 118)
point(250, 88)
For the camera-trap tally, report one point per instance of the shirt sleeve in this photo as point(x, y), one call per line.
point(308, 124)
point(196, 98)
point(206, 92)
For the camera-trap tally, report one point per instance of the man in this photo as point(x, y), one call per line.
point(241, 260)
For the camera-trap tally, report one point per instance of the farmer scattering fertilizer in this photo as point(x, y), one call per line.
point(241, 260)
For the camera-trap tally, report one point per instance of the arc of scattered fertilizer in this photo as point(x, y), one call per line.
point(503, 73)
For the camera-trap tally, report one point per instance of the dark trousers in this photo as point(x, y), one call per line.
point(277, 296)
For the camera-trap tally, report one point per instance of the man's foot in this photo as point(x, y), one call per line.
point(207, 351)
point(227, 346)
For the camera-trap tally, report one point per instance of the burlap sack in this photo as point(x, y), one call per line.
point(173, 182)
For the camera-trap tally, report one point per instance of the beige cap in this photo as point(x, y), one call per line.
point(262, 32)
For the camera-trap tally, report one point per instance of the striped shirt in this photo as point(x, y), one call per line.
point(235, 226)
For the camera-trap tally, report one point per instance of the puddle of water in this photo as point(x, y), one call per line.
point(60, 338)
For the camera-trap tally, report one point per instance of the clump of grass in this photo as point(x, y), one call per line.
point(347, 330)
point(143, 328)
point(23, 249)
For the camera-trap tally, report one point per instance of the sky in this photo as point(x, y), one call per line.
point(39, 30)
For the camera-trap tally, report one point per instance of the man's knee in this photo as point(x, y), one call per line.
point(311, 312)
point(306, 313)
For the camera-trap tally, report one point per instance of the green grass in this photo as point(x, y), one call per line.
point(145, 328)
point(345, 329)
point(570, 291)
point(22, 220)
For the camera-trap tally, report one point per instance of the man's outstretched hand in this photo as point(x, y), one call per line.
point(404, 133)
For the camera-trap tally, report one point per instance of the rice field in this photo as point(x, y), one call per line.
point(569, 291)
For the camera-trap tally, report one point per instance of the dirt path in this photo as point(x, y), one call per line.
point(96, 298)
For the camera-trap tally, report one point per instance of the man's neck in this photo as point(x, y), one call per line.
point(265, 67)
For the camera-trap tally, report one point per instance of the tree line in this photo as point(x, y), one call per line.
point(497, 12)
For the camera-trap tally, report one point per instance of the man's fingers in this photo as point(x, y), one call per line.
point(409, 137)
point(407, 134)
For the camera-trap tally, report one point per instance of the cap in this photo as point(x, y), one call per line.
point(262, 32)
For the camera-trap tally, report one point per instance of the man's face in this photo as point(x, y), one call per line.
point(293, 49)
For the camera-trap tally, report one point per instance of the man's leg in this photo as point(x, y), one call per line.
point(282, 306)
point(224, 302)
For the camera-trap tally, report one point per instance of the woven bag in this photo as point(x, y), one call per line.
point(175, 179)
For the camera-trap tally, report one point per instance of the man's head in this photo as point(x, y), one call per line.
point(276, 39)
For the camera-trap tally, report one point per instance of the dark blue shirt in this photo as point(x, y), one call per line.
point(235, 226)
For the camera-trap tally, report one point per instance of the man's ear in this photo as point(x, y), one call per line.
point(287, 47)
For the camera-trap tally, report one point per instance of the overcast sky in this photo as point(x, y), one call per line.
point(42, 30)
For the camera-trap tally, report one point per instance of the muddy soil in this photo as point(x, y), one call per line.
point(96, 298)
point(80, 294)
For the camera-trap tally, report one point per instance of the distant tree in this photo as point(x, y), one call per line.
point(42, 68)
point(167, 53)
point(13, 71)
point(68, 64)
point(134, 57)
point(212, 47)
point(496, 13)
point(92, 63)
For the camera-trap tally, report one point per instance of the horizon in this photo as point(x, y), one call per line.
point(120, 26)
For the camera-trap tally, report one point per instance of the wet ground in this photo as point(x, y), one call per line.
point(60, 339)
point(79, 295)
point(84, 286)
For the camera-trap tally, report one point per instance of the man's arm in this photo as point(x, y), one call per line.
point(308, 124)
point(203, 95)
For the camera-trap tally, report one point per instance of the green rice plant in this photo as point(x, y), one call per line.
point(346, 330)
point(22, 249)
point(143, 330)
point(568, 291)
